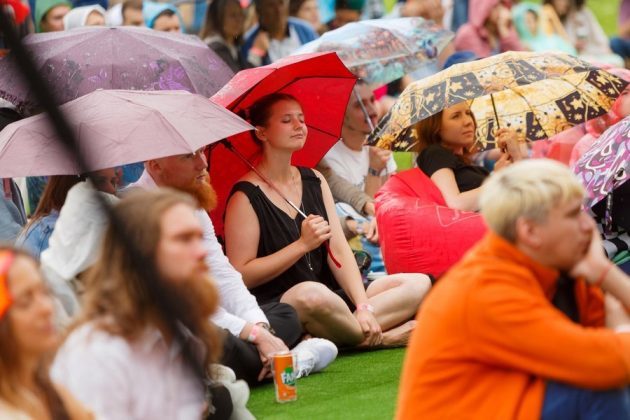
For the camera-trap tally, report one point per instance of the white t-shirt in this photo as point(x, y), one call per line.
point(353, 165)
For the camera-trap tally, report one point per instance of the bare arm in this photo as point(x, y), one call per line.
point(242, 245)
point(444, 179)
point(348, 275)
point(596, 268)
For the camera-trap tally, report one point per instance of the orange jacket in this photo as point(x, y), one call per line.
point(488, 337)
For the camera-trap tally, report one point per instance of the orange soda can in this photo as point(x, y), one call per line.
point(283, 365)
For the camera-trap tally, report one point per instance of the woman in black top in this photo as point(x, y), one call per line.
point(282, 256)
point(446, 142)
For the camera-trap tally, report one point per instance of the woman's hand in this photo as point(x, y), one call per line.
point(508, 142)
point(315, 230)
point(504, 161)
point(371, 329)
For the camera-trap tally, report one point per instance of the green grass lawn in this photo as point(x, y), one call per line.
point(361, 385)
point(606, 12)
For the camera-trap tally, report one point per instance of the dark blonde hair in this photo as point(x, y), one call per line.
point(10, 364)
point(428, 133)
point(259, 113)
point(121, 294)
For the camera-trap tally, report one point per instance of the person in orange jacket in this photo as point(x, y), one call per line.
point(489, 342)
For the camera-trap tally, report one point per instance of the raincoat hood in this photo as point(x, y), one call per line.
point(77, 17)
point(478, 13)
point(151, 10)
point(538, 41)
point(43, 6)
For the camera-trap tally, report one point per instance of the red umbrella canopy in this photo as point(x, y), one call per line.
point(322, 85)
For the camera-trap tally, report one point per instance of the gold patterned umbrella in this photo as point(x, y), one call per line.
point(536, 94)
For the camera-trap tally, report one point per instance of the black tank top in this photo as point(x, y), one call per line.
point(277, 230)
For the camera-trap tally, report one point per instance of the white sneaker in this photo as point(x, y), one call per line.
point(314, 355)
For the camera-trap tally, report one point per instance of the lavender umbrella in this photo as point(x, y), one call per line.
point(82, 60)
point(606, 165)
point(116, 127)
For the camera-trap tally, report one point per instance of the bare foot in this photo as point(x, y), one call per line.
point(399, 336)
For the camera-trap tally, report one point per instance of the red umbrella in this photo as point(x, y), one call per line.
point(320, 82)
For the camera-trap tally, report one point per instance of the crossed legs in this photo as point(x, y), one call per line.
point(395, 298)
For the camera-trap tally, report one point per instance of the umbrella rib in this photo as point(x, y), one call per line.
point(530, 107)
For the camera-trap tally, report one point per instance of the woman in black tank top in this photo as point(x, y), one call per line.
point(283, 256)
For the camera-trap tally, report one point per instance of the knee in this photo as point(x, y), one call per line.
point(417, 285)
point(314, 299)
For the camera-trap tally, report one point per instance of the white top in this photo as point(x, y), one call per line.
point(75, 243)
point(238, 305)
point(353, 165)
point(280, 48)
point(117, 379)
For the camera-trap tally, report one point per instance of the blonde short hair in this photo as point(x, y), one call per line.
point(528, 189)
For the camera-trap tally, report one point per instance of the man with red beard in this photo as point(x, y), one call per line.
point(255, 332)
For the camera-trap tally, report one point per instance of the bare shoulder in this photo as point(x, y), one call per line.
point(75, 409)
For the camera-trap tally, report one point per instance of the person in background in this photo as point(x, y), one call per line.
point(276, 35)
point(365, 167)
point(162, 17)
point(620, 44)
point(582, 29)
point(34, 238)
point(28, 336)
point(496, 338)
point(84, 16)
point(132, 13)
point(223, 32)
point(49, 15)
point(19, 13)
point(346, 11)
point(307, 10)
point(489, 30)
point(528, 20)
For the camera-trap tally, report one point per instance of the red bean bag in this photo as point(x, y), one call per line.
point(418, 233)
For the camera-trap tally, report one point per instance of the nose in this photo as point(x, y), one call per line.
point(297, 124)
point(200, 250)
point(586, 222)
point(200, 160)
point(468, 120)
point(45, 305)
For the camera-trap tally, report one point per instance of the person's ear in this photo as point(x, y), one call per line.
point(260, 133)
point(528, 233)
point(153, 166)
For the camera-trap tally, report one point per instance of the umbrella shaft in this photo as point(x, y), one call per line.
point(231, 148)
point(365, 112)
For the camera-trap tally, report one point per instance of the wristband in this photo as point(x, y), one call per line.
point(602, 277)
point(253, 334)
point(258, 52)
point(365, 307)
point(373, 172)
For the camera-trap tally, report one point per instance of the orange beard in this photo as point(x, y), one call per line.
point(203, 192)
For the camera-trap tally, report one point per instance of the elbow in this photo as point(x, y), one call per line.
point(458, 203)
